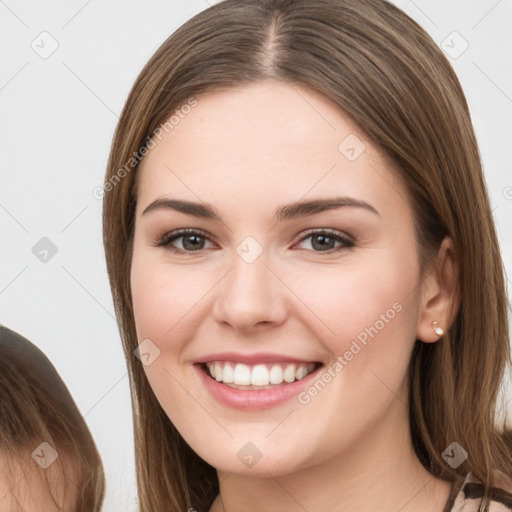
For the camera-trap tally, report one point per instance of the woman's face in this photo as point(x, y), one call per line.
point(335, 282)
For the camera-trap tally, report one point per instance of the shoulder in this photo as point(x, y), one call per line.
point(471, 492)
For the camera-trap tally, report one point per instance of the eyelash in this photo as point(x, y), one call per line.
point(166, 240)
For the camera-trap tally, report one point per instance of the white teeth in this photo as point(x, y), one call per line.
point(289, 373)
point(228, 375)
point(218, 371)
point(242, 375)
point(258, 375)
point(276, 374)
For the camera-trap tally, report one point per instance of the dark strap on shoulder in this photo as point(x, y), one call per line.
point(476, 491)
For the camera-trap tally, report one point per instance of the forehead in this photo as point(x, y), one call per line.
point(242, 122)
point(264, 141)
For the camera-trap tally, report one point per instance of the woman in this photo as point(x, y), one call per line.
point(48, 458)
point(303, 258)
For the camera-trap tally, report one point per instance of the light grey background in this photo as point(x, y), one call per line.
point(58, 114)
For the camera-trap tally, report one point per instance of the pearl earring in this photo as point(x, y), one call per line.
point(437, 329)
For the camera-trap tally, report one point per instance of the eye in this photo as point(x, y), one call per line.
point(324, 240)
point(192, 241)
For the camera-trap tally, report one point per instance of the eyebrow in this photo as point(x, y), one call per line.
point(286, 212)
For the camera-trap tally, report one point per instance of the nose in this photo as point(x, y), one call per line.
point(250, 296)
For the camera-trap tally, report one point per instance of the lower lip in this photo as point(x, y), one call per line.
point(256, 399)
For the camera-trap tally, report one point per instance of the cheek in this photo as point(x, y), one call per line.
point(360, 299)
point(163, 296)
point(163, 299)
point(151, 310)
point(370, 313)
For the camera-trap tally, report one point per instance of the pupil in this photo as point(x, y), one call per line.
point(195, 244)
point(323, 238)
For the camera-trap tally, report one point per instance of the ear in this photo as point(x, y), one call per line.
point(440, 297)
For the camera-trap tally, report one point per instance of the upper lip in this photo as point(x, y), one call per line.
point(258, 357)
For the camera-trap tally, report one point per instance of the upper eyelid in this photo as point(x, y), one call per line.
point(178, 233)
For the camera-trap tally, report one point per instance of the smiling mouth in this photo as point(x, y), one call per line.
point(258, 376)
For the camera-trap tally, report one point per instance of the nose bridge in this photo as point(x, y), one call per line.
point(250, 293)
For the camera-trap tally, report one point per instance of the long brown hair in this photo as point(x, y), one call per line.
point(35, 408)
point(390, 78)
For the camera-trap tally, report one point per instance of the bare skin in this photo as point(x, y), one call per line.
point(24, 485)
point(248, 151)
